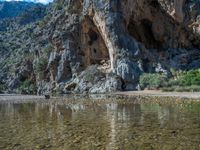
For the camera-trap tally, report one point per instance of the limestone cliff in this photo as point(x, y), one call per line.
point(100, 46)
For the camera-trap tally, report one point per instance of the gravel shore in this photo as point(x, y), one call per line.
point(195, 95)
point(192, 95)
point(7, 97)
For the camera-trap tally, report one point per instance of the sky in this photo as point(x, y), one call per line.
point(36, 1)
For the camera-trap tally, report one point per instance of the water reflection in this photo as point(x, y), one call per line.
point(87, 124)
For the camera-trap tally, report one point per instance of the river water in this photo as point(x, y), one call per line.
point(92, 124)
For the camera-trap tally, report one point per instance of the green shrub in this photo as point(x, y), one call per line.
point(152, 81)
point(28, 87)
point(41, 24)
point(41, 64)
point(185, 79)
point(184, 82)
point(48, 49)
point(2, 88)
point(29, 56)
point(173, 82)
point(191, 78)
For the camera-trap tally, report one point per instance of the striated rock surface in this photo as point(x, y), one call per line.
point(99, 46)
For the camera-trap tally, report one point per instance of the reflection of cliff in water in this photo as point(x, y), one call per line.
point(124, 113)
point(120, 112)
point(113, 122)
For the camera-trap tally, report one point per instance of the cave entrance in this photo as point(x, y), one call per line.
point(142, 31)
point(93, 46)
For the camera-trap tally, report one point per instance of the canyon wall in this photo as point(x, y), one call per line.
point(99, 46)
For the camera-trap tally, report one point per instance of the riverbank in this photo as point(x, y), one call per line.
point(145, 93)
point(158, 93)
point(5, 97)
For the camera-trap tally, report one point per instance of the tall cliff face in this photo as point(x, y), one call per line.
point(17, 23)
point(105, 45)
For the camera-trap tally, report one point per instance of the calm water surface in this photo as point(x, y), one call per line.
point(64, 124)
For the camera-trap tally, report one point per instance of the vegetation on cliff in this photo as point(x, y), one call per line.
point(126, 43)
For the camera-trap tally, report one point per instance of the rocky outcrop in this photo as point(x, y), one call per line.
point(123, 33)
point(103, 46)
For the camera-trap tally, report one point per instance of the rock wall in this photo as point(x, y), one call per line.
point(102, 46)
point(121, 39)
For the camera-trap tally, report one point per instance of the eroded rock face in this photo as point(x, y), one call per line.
point(105, 45)
point(122, 38)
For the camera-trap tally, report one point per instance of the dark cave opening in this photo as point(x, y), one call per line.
point(142, 32)
point(95, 51)
point(93, 45)
point(93, 36)
point(155, 4)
